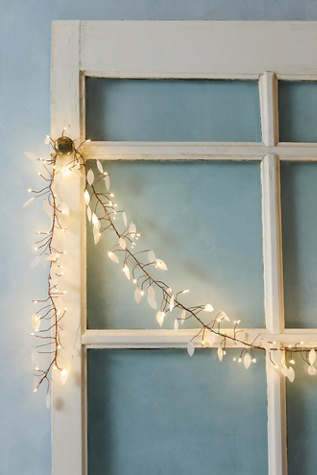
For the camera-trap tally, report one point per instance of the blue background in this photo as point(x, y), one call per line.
point(25, 35)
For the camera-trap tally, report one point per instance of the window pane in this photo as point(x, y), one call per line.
point(204, 220)
point(299, 229)
point(302, 421)
point(159, 411)
point(172, 110)
point(297, 103)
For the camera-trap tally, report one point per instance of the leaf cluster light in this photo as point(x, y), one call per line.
point(140, 267)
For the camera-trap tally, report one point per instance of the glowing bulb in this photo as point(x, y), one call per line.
point(301, 343)
point(274, 342)
point(134, 281)
point(111, 195)
point(292, 361)
point(276, 366)
point(238, 321)
point(224, 352)
point(254, 360)
point(185, 291)
point(202, 342)
point(290, 346)
point(209, 308)
point(35, 390)
point(125, 269)
point(30, 190)
point(240, 359)
point(65, 292)
point(234, 359)
point(142, 292)
point(35, 248)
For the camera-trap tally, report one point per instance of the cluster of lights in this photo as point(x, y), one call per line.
point(102, 211)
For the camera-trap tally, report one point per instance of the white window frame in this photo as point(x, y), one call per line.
point(264, 51)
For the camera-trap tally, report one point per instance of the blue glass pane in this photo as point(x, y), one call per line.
point(297, 104)
point(204, 220)
point(299, 230)
point(162, 412)
point(172, 110)
point(302, 421)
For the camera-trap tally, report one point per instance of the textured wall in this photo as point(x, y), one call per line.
point(24, 108)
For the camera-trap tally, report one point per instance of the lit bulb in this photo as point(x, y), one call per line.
point(224, 352)
point(290, 346)
point(134, 281)
point(276, 366)
point(111, 195)
point(125, 269)
point(202, 342)
point(35, 390)
point(240, 359)
point(30, 190)
point(292, 361)
point(185, 291)
point(142, 292)
point(238, 321)
point(234, 359)
point(254, 360)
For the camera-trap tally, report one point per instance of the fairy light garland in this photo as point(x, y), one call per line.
point(102, 213)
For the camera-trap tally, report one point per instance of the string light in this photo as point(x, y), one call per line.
point(141, 273)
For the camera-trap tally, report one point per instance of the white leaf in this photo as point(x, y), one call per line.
point(35, 262)
point(47, 208)
point(191, 348)
point(64, 376)
point(107, 182)
point(151, 292)
point(94, 220)
point(132, 230)
point(30, 155)
point(99, 166)
point(312, 370)
point(152, 302)
point(113, 257)
point(47, 140)
point(86, 197)
point(88, 213)
point(171, 306)
point(224, 316)
point(176, 326)
point(48, 400)
point(35, 321)
point(291, 374)
point(312, 356)
point(122, 243)
point(124, 218)
point(220, 353)
point(160, 318)
point(151, 256)
point(159, 264)
point(210, 337)
point(97, 236)
point(183, 316)
point(137, 295)
point(64, 208)
point(90, 177)
point(247, 360)
point(28, 202)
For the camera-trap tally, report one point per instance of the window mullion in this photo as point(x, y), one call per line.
point(273, 277)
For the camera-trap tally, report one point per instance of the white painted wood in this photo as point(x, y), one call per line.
point(274, 311)
point(174, 49)
point(272, 245)
point(65, 110)
point(207, 49)
point(277, 431)
point(168, 338)
point(268, 107)
point(196, 151)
